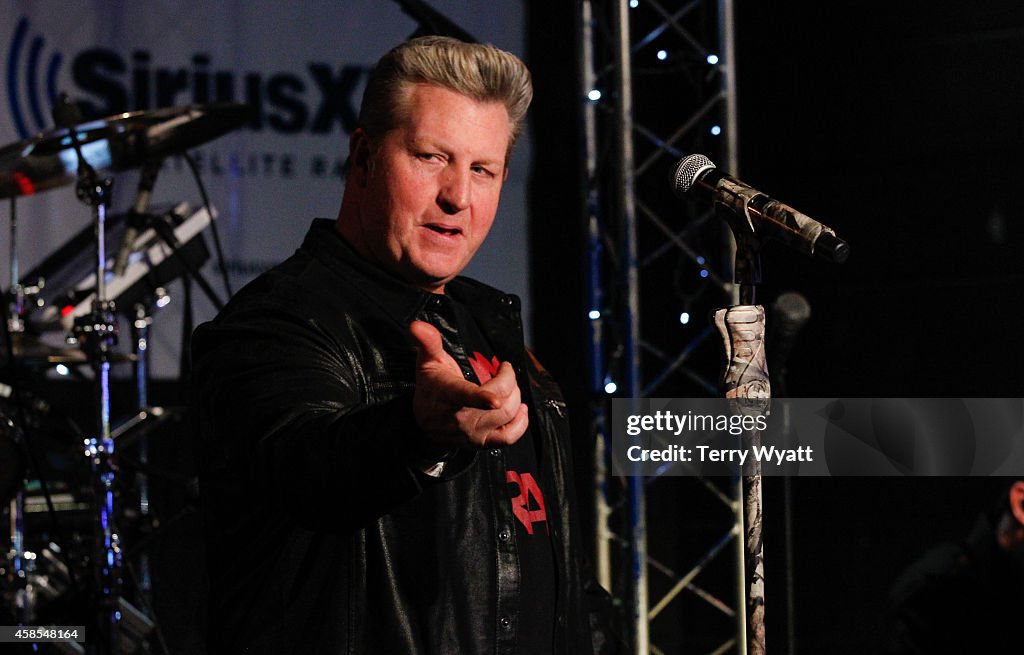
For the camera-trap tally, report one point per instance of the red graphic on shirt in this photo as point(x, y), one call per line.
point(483, 368)
point(528, 490)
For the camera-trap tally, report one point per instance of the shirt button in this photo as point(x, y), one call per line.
point(496, 452)
point(468, 375)
point(505, 622)
point(504, 535)
point(561, 620)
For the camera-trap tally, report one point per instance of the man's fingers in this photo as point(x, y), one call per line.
point(509, 433)
point(488, 413)
point(501, 394)
point(502, 386)
point(459, 392)
point(428, 340)
point(481, 422)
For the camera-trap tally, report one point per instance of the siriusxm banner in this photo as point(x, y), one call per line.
point(299, 67)
point(819, 436)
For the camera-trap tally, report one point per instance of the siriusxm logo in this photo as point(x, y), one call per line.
point(39, 98)
point(317, 101)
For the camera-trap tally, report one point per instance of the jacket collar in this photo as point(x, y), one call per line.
point(396, 297)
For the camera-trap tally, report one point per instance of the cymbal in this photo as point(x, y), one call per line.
point(30, 350)
point(116, 143)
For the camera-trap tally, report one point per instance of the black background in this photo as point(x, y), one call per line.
point(900, 125)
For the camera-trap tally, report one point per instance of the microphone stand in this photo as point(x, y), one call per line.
point(190, 271)
point(745, 383)
point(139, 219)
point(97, 333)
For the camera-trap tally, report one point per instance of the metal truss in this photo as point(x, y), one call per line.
point(659, 82)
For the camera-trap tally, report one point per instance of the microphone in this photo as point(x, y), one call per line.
point(789, 313)
point(766, 216)
point(65, 113)
point(136, 220)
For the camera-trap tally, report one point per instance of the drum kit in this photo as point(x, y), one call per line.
point(71, 489)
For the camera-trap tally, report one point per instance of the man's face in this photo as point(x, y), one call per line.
point(430, 190)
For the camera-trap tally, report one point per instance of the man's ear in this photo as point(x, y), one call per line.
point(1017, 501)
point(358, 157)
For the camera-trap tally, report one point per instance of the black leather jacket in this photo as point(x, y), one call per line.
point(324, 535)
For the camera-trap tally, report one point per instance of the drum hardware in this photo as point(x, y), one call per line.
point(17, 313)
point(83, 308)
point(137, 424)
point(15, 572)
point(140, 425)
point(68, 288)
point(32, 352)
point(153, 265)
point(117, 143)
point(12, 459)
point(44, 573)
point(135, 628)
point(20, 561)
point(49, 577)
point(97, 333)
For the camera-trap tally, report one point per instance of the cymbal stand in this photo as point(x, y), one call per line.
point(15, 323)
point(140, 340)
point(20, 564)
point(17, 300)
point(97, 333)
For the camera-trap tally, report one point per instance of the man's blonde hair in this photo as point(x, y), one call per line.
point(478, 71)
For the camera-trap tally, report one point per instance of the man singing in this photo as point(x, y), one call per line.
point(386, 468)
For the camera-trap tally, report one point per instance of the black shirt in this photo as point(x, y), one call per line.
point(533, 543)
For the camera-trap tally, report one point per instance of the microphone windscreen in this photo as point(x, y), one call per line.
point(792, 310)
point(66, 113)
point(687, 171)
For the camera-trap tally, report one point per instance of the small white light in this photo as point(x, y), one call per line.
point(163, 301)
point(716, 130)
point(662, 55)
point(700, 259)
point(594, 314)
point(684, 318)
point(703, 272)
point(634, 4)
point(610, 387)
point(712, 59)
point(594, 95)
point(62, 370)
